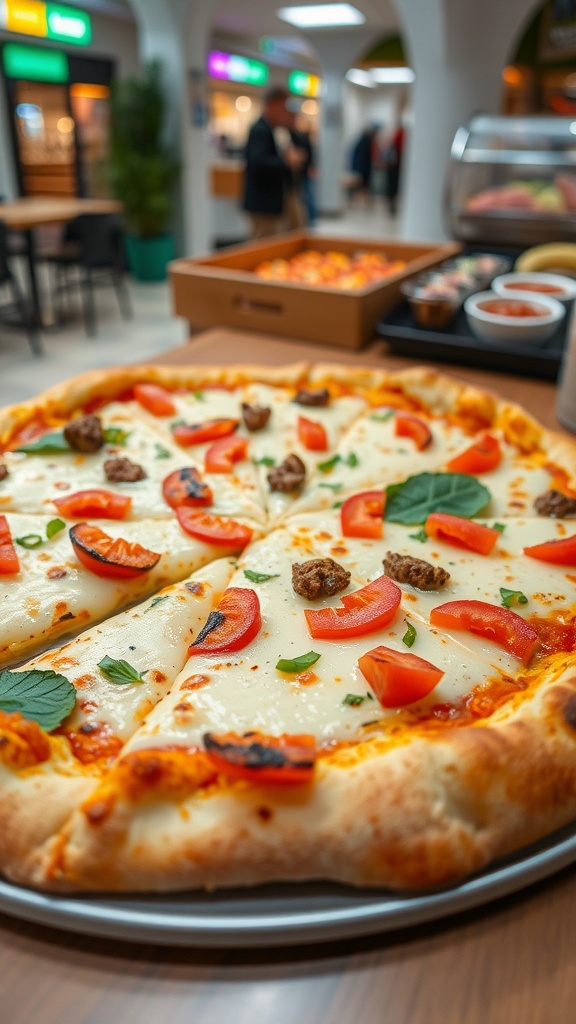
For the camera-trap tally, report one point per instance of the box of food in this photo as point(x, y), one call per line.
point(323, 289)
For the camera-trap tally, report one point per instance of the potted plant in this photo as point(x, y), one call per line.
point(143, 171)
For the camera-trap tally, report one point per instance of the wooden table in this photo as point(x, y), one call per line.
point(508, 963)
point(34, 212)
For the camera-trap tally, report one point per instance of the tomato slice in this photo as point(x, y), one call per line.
point(408, 425)
point(559, 552)
point(483, 456)
point(155, 399)
point(312, 435)
point(222, 455)
point(364, 611)
point(185, 487)
point(113, 558)
point(232, 626)
point(265, 760)
point(213, 529)
point(9, 564)
point(362, 515)
point(97, 503)
point(398, 677)
point(491, 621)
point(187, 434)
point(462, 533)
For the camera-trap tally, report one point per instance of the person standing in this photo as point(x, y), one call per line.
point(362, 161)
point(273, 165)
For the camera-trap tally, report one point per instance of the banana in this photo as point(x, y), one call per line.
point(559, 256)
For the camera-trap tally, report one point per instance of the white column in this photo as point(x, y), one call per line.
point(8, 186)
point(457, 49)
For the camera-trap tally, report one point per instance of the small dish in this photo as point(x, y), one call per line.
point(433, 302)
point(493, 325)
point(483, 267)
point(553, 286)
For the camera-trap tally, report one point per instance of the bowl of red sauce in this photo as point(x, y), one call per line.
point(553, 286)
point(526, 317)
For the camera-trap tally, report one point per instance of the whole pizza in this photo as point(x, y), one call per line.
point(306, 623)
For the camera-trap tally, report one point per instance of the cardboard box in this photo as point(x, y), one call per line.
point(221, 290)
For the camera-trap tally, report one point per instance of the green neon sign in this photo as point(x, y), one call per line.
point(68, 25)
point(34, 63)
point(303, 84)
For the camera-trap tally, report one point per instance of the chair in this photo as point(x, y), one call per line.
point(91, 246)
point(17, 305)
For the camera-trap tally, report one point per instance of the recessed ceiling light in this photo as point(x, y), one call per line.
point(321, 15)
point(360, 77)
point(392, 76)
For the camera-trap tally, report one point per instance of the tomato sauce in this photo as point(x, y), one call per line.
point(512, 307)
point(535, 286)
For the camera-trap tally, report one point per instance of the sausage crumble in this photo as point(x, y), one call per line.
point(119, 469)
point(288, 476)
point(319, 577)
point(415, 571)
point(555, 504)
point(317, 397)
point(84, 434)
point(255, 416)
point(3, 471)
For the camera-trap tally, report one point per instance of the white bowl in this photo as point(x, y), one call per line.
point(503, 284)
point(526, 330)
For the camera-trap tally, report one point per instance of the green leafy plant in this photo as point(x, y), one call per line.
point(142, 169)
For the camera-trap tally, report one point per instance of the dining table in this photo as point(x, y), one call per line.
point(507, 961)
point(30, 212)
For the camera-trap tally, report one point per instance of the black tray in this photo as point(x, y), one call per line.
point(457, 344)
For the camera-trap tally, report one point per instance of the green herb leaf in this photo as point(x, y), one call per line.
point(199, 396)
point(157, 600)
point(510, 597)
point(31, 540)
point(266, 460)
point(422, 536)
point(456, 493)
point(119, 671)
point(329, 464)
point(178, 423)
point(54, 527)
point(410, 635)
point(353, 699)
point(331, 487)
point(161, 452)
point(352, 460)
point(499, 526)
point(381, 417)
point(115, 435)
point(337, 504)
point(297, 664)
point(259, 577)
point(43, 697)
point(48, 444)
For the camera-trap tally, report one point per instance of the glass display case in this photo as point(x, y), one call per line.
point(512, 181)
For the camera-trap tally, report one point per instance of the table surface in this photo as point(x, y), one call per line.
point(33, 212)
point(508, 963)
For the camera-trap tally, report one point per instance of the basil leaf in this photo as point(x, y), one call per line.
point(31, 540)
point(381, 417)
point(510, 597)
point(54, 527)
point(498, 526)
point(353, 699)
point(178, 423)
point(409, 636)
point(422, 536)
point(119, 671)
point(199, 396)
point(48, 444)
point(337, 504)
point(259, 577)
point(297, 664)
point(157, 600)
point(328, 464)
point(266, 460)
point(352, 460)
point(161, 452)
point(115, 435)
point(331, 487)
point(413, 501)
point(43, 697)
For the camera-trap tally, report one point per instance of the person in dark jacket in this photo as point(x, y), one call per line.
point(362, 161)
point(273, 165)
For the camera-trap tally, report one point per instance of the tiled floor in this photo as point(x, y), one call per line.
point(68, 351)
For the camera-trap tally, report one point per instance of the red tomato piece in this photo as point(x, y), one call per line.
point(312, 435)
point(462, 533)
point(9, 564)
point(483, 456)
point(213, 529)
point(559, 552)
point(222, 455)
point(96, 503)
point(187, 434)
point(408, 425)
point(264, 760)
point(491, 621)
point(366, 610)
point(232, 626)
point(398, 677)
point(155, 399)
point(113, 558)
point(362, 515)
point(185, 487)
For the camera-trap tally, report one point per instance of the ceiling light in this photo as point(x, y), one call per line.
point(392, 76)
point(359, 77)
point(321, 15)
point(243, 104)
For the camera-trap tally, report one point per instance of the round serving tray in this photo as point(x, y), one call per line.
point(281, 914)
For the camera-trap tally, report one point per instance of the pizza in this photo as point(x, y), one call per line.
point(260, 625)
